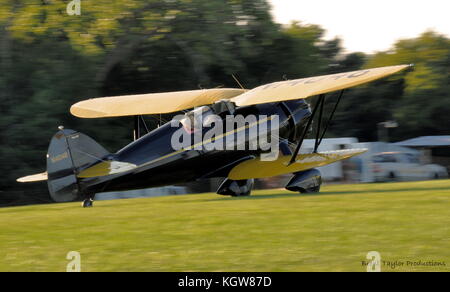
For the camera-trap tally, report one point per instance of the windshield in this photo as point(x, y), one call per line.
point(197, 118)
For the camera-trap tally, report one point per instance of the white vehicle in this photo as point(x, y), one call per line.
point(402, 166)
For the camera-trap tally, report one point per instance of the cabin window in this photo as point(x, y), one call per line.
point(195, 120)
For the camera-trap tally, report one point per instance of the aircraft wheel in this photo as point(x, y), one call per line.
point(240, 188)
point(246, 194)
point(312, 190)
point(305, 182)
point(391, 177)
point(88, 203)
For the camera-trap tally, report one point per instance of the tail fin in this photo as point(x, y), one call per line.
point(73, 156)
point(68, 152)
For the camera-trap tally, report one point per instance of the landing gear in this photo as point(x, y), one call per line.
point(88, 203)
point(391, 177)
point(236, 188)
point(305, 182)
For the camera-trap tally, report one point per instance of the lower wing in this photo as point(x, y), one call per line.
point(256, 168)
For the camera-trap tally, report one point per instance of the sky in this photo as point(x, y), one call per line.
point(367, 26)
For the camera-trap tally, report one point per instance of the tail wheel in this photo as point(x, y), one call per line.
point(88, 203)
point(392, 176)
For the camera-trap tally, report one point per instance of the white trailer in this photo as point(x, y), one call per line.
point(358, 168)
point(384, 160)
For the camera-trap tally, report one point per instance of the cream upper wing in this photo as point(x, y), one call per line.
point(153, 103)
point(306, 87)
point(160, 103)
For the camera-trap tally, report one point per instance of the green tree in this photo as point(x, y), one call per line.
point(425, 104)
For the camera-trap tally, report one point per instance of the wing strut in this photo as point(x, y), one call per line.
point(145, 125)
point(319, 137)
point(332, 115)
point(316, 144)
point(138, 123)
point(305, 131)
point(137, 128)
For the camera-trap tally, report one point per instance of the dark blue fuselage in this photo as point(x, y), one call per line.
point(159, 164)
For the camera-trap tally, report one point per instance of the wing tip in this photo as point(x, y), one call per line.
point(79, 111)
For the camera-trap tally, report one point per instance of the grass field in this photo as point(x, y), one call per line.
point(269, 231)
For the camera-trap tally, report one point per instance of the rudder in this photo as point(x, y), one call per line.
point(68, 152)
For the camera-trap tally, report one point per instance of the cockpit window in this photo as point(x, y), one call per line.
point(197, 118)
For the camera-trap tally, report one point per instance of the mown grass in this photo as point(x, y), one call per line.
point(272, 230)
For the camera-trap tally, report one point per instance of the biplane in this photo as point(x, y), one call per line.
point(78, 167)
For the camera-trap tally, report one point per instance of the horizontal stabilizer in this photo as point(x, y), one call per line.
point(33, 178)
point(106, 168)
point(256, 168)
